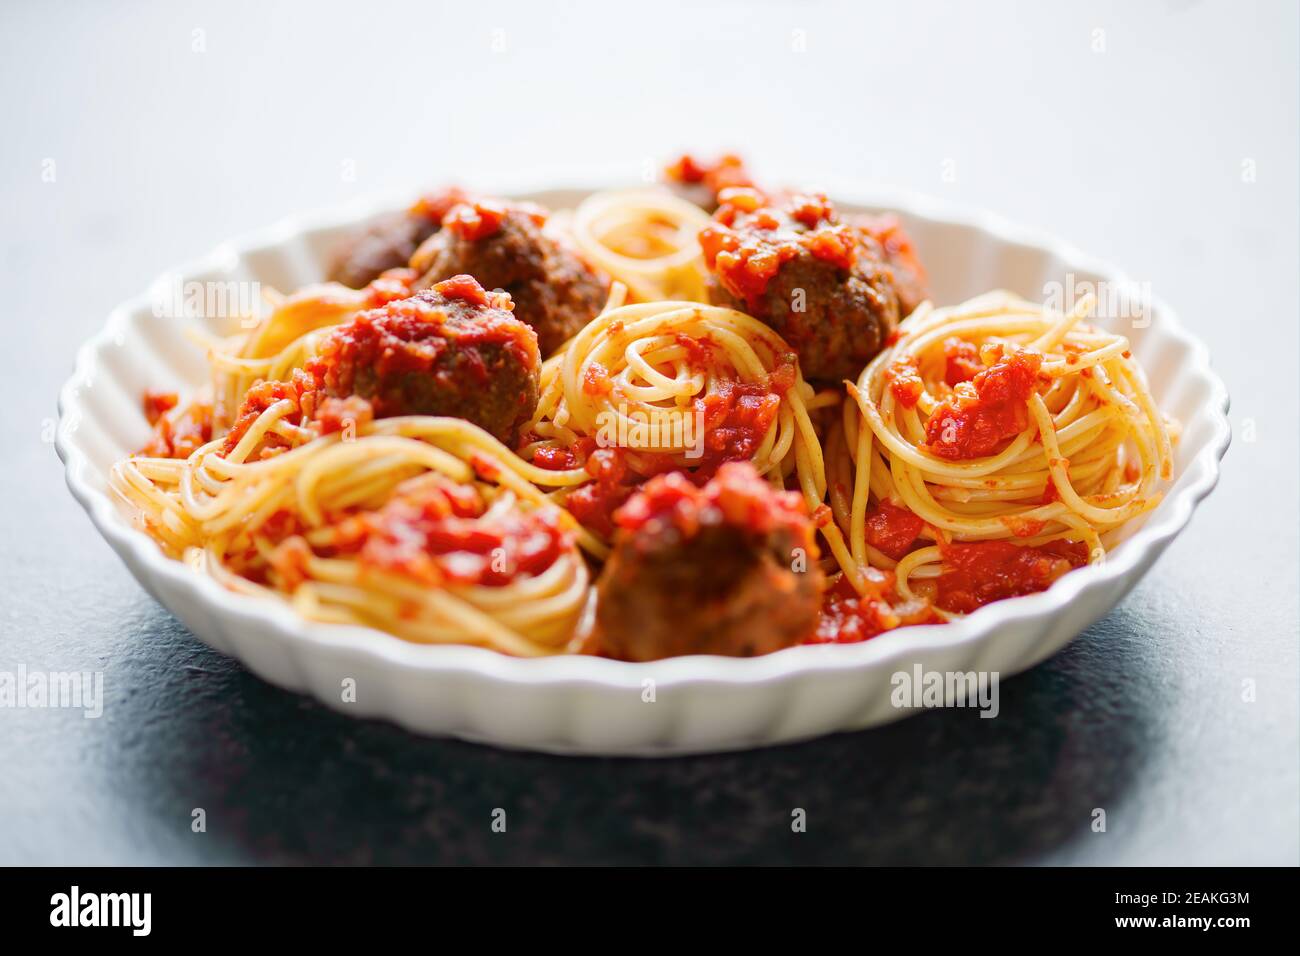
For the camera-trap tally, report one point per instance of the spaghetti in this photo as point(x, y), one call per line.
point(648, 240)
point(996, 421)
point(679, 386)
point(332, 523)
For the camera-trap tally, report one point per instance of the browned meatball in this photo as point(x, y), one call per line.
point(453, 350)
point(503, 245)
point(390, 241)
point(823, 285)
point(725, 569)
point(909, 276)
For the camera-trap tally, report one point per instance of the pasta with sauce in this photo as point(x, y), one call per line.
point(706, 418)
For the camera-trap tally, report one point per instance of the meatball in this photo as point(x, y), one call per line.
point(390, 242)
point(823, 285)
point(900, 254)
point(504, 246)
point(727, 569)
point(452, 349)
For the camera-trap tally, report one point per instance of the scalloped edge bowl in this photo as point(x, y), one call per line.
point(582, 705)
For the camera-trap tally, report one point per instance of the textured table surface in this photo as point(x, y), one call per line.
point(1163, 138)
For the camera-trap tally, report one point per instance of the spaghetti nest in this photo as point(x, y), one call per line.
point(998, 420)
point(425, 527)
point(646, 239)
point(673, 386)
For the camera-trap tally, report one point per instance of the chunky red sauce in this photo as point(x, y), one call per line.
point(729, 171)
point(783, 378)
point(550, 457)
point(463, 287)
point(594, 503)
point(892, 530)
point(391, 285)
point(983, 414)
point(435, 531)
point(736, 495)
point(596, 380)
point(1050, 493)
point(751, 240)
point(158, 404)
point(482, 218)
point(961, 361)
point(736, 416)
point(338, 414)
point(176, 436)
point(904, 380)
point(849, 618)
point(473, 221)
point(700, 349)
point(435, 206)
point(301, 389)
point(977, 573)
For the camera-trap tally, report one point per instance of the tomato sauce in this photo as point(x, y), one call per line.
point(552, 457)
point(596, 380)
point(849, 618)
point(301, 389)
point(736, 416)
point(728, 172)
point(158, 404)
point(594, 503)
point(978, 573)
point(435, 206)
point(337, 414)
point(699, 349)
point(736, 493)
point(435, 531)
point(751, 240)
point(905, 382)
point(179, 436)
point(892, 530)
point(985, 413)
point(464, 288)
point(476, 220)
point(390, 286)
point(962, 361)
point(473, 220)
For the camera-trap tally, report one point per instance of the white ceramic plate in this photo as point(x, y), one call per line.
point(595, 706)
